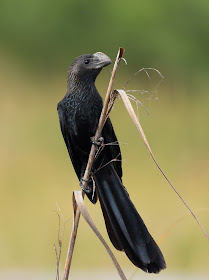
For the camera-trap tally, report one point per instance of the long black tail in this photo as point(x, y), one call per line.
point(125, 227)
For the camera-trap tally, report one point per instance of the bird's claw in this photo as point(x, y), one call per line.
point(97, 143)
point(86, 189)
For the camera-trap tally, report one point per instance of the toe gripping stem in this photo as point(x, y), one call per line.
point(97, 143)
point(86, 189)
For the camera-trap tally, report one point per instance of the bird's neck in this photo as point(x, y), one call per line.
point(75, 84)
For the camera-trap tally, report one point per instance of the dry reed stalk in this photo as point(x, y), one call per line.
point(103, 117)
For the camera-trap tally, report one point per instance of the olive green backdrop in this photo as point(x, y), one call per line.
point(39, 40)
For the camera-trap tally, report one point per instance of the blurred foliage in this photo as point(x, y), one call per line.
point(164, 34)
point(39, 39)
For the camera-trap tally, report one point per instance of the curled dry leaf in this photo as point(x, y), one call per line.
point(133, 116)
point(78, 203)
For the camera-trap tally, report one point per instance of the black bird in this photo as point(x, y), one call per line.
point(79, 113)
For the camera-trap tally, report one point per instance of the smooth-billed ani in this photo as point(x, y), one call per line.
point(79, 113)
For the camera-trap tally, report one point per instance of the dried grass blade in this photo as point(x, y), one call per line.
point(78, 202)
point(132, 114)
point(103, 117)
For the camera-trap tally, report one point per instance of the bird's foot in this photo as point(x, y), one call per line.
point(97, 143)
point(87, 188)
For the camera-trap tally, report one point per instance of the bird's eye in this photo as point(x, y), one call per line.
point(86, 61)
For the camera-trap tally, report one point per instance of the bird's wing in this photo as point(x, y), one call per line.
point(113, 146)
point(68, 141)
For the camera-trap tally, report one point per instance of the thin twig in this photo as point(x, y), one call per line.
point(112, 160)
point(145, 70)
point(103, 117)
point(133, 98)
point(142, 91)
point(59, 239)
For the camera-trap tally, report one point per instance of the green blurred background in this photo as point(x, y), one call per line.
point(39, 40)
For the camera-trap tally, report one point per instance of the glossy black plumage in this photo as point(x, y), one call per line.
point(79, 113)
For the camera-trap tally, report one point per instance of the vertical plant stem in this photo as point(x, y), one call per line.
point(92, 153)
point(72, 243)
point(103, 117)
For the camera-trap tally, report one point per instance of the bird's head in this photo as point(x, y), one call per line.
point(88, 66)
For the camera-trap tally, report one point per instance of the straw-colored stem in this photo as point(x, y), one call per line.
point(103, 118)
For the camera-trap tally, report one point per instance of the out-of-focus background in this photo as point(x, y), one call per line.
point(39, 40)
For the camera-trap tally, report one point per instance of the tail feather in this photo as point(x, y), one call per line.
point(125, 227)
point(112, 235)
